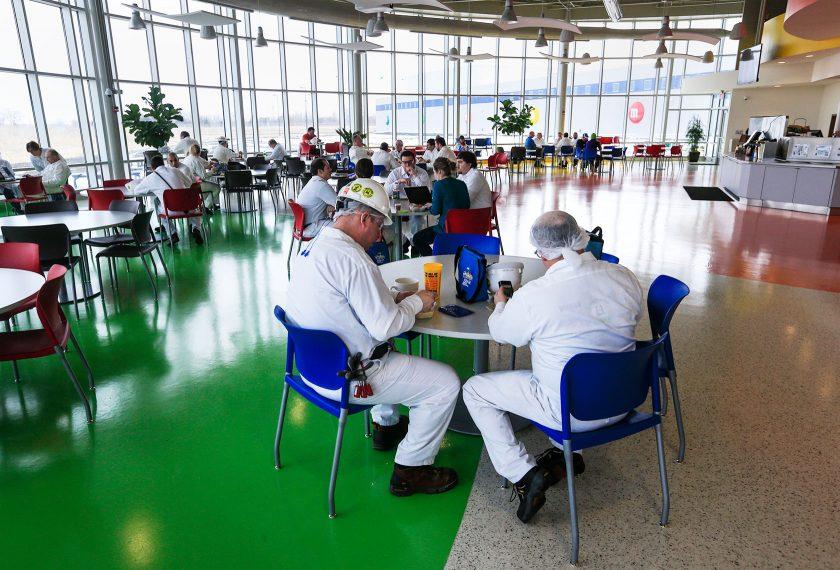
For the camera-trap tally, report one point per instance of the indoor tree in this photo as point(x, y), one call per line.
point(513, 121)
point(694, 135)
point(153, 124)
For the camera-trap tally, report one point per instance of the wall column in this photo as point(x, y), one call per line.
point(356, 94)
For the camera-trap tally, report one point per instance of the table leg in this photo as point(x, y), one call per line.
point(398, 249)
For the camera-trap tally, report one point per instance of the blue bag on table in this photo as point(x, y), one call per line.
point(470, 275)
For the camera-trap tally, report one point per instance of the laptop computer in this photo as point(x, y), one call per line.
point(419, 195)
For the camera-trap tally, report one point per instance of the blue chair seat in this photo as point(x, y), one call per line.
point(633, 423)
point(331, 406)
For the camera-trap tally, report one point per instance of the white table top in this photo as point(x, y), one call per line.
point(18, 287)
point(474, 326)
point(81, 221)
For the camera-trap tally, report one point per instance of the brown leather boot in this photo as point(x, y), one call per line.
point(422, 479)
point(386, 438)
point(553, 461)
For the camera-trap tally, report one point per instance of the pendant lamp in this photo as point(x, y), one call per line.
point(508, 15)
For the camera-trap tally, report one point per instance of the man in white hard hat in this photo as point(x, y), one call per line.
point(222, 152)
point(336, 287)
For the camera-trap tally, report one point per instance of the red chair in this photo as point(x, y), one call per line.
point(655, 152)
point(31, 189)
point(183, 204)
point(492, 168)
point(116, 183)
point(494, 225)
point(24, 256)
point(469, 221)
point(307, 150)
point(101, 199)
point(297, 233)
point(69, 192)
point(676, 154)
point(332, 148)
point(52, 339)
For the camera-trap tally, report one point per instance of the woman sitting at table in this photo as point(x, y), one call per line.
point(447, 193)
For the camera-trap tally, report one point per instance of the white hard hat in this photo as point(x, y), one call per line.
point(370, 193)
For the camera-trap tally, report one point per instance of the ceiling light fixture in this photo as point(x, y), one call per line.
point(381, 25)
point(661, 48)
point(658, 64)
point(370, 28)
point(613, 10)
point(665, 31)
point(260, 40)
point(541, 41)
point(782, 62)
point(508, 15)
point(810, 55)
point(777, 86)
point(566, 36)
point(708, 57)
point(207, 33)
point(136, 22)
point(739, 30)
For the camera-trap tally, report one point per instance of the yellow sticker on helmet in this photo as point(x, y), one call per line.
point(367, 192)
point(356, 187)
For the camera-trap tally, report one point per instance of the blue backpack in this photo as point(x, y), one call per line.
point(596, 242)
point(470, 275)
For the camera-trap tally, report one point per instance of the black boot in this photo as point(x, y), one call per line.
point(386, 438)
point(406, 481)
point(531, 492)
point(553, 461)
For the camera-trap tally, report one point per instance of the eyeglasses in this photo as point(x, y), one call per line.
point(408, 162)
point(538, 254)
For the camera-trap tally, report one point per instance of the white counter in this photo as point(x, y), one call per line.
point(804, 187)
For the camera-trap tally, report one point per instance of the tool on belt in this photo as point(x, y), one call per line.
point(357, 368)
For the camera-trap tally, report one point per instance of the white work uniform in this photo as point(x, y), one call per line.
point(356, 153)
point(478, 188)
point(277, 153)
point(161, 179)
point(397, 154)
point(183, 146)
point(39, 162)
point(54, 176)
point(186, 170)
point(592, 307)
point(418, 178)
point(337, 287)
point(198, 169)
point(445, 152)
point(384, 158)
point(223, 154)
point(315, 198)
point(539, 141)
point(429, 156)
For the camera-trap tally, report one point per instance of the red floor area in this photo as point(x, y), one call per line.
point(652, 225)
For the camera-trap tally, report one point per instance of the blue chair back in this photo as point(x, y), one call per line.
point(590, 153)
point(447, 244)
point(380, 253)
point(567, 150)
point(608, 257)
point(664, 296)
point(378, 170)
point(318, 355)
point(618, 152)
point(548, 149)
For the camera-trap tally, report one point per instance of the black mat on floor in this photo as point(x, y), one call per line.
point(708, 193)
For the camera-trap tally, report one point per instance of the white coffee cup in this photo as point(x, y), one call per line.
point(405, 284)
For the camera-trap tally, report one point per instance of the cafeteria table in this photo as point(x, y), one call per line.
point(76, 222)
point(473, 327)
point(400, 209)
point(18, 287)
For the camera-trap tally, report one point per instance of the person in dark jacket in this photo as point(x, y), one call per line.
point(447, 193)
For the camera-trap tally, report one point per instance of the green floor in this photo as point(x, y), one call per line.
point(177, 471)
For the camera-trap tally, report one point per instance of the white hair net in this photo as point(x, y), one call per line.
point(557, 233)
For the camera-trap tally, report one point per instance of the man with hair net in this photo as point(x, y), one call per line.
point(337, 287)
point(579, 305)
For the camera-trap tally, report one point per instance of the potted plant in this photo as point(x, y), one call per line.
point(512, 121)
point(695, 135)
point(152, 125)
point(347, 139)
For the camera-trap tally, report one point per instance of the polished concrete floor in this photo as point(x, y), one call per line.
point(177, 470)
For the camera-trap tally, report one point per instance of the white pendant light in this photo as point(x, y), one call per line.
point(207, 33)
point(453, 51)
point(370, 28)
point(566, 36)
point(747, 55)
point(738, 31)
point(708, 57)
point(658, 64)
point(665, 31)
point(585, 56)
point(136, 22)
point(541, 41)
point(661, 48)
point(381, 25)
point(508, 15)
point(260, 41)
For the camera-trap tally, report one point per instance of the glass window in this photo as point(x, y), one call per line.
point(614, 79)
point(10, 54)
point(639, 113)
point(210, 116)
point(433, 73)
point(611, 119)
point(171, 60)
point(378, 72)
point(405, 41)
point(408, 73)
point(17, 126)
point(536, 75)
point(131, 52)
point(483, 76)
point(300, 116)
point(434, 42)
point(206, 60)
point(295, 31)
point(380, 119)
point(510, 76)
point(618, 48)
point(267, 67)
point(297, 67)
point(584, 114)
point(511, 47)
point(180, 97)
point(270, 117)
point(60, 111)
point(328, 119)
point(326, 69)
point(270, 25)
point(408, 119)
point(47, 33)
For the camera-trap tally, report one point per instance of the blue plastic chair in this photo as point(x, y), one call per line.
point(595, 386)
point(608, 257)
point(379, 170)
point(447, 244)
point(319, 357)
point(664, 296)
point(380, 253)
point(589, 156)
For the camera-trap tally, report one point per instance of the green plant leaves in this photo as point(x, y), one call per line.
point(153, 125)
point(513, 121)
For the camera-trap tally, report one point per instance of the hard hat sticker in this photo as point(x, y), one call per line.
point(356, 187)
point(367, 192)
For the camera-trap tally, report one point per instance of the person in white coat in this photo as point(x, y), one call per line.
point(222, 153)
point(203, 170)
point(429, 154)
point(407, 174)
point(358, 150)
point(184, 144)
point(163, 178)
point(337, 287)
point(579, 305)
point(277, 153)
point(480, 193)
point(441, 150)
point(37, 155)
point(173, 161)
point(317, 198)
point(55, 175)
point(383, 157)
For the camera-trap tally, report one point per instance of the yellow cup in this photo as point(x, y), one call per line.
point(432, 273)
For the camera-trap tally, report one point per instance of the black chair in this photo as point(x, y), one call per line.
point(342, 182)
point(233, 165)
point(549, 150)
point(567, 152)
point(272, 185)
point(131, 206)
point(142, 244)
point(516, 157)
point(295, 168)
point(256, 160)
point(240, 183)
point(50, 207)
point(54, 248)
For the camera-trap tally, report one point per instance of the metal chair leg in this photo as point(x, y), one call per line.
point(663, 476)
point(367, 423)
point(342, 421)
point(570, 480)
point(84, 360)
point(280, 425)
point(165, 269)
point(14, 362)
point(672, 377)
point(663, 394)
point(289, 259)
point(73, 282)
point(149, 273)
point(504, 483)
point(60, 352)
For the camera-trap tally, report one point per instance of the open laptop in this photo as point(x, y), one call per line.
point(419, 195)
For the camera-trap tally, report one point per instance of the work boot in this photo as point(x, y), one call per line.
point(196, 234)
point(553, 461)
point(426, 479)
point(386, 438)
point(531, 492)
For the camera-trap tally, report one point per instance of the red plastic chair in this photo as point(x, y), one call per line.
point(24, 256)
point(306, 149)
point(332, 148)
point(494, 221)
point(69, 192)
point(101, 199)
point(492, 168)
point(31, 189)
point(469, 221)
point(183, 204)
point(654, 152)
point(52, 339)
point(676, 154)
point(116, 183)
point(297, 233)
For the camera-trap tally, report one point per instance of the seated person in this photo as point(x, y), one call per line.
point(579, 146)
point(579, 305)
point(480, 194)
point(364, 168)
point(429, 153)
point(539, 141)
point(277, 153)
point(184, 143)
point(398, 149)
point(441, 150)
point(447, 193)
point(203, 170)
point(383, 157)
point(462, 144)
point(36, 155)
point(593, 145)
point(530, 143)
point(358, 150)
point(10, 188)
point(221, 152)
point(407, 174)
point(317, 198)
point(159, 180)
point(55, 175)
point(174, 162)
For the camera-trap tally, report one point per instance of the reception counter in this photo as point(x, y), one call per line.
point(804, 187)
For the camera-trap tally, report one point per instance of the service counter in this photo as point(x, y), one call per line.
point(799, 186)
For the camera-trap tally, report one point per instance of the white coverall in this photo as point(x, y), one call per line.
point(183, 146)
point(478, 189)
point(161, 179)
point(580, 305)
point(419, 177)
point(336, 287)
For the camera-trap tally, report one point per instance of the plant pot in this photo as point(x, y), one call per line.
point(694, 156)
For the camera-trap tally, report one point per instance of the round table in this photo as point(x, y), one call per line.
point(18, 287)
point(76, 222)
point(473, 327)
point(400, 208)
